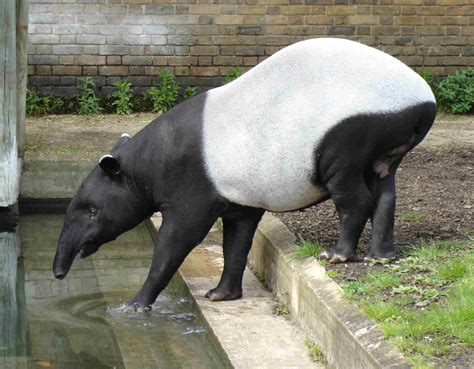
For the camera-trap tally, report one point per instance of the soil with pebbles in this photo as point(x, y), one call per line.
point(434, 186)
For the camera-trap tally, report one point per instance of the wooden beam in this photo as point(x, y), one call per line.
point(21, 65)
point(8, 105)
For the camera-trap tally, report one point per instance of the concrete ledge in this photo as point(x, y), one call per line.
point(350, 339)
point(52, 180)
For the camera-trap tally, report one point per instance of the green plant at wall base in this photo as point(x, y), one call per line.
point(54, 104)
point(88, 101)
point(34, 103)
point(189, 92)
point(234, 73)
point(430, 77)
point(455, 93)
point(123, 97)
point(164, 95)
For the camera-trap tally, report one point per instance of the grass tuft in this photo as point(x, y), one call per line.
point(413, 216)
point(306, 249)
point(315, 352)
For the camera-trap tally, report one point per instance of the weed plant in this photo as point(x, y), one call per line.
point(315, 352)
point(164, 95)
point(234, 73)
point(455, 93)
point(34, 103)
point(189, 92)
point(123, 97)
point(88, 102)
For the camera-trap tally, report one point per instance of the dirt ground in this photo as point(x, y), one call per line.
point(78, 137)
point(435, 194)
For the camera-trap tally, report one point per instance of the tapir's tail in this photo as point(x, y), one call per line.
point(426, 121)
point(426, 118)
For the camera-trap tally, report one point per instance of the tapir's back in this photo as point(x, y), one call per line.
point(260, 132)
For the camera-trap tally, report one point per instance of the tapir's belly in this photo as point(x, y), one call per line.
point(261, 132)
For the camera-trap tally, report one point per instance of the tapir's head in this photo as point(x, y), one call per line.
point(105, 206)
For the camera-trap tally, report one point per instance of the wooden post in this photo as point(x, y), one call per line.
point(9, 175)
point(22, 66)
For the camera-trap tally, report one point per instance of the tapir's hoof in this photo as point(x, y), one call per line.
point(215, 295)
point(380, 256)
point(337, 259)
point(333, 257)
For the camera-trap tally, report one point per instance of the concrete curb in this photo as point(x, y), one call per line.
point(350, 339)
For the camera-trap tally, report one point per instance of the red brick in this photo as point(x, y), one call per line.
point(204, 71)
point(204, 50)
point(342, 10)
point(43, 70)
point(90, 70)
point(181, 71)
point(386, 10)
point(319, 19)
point(363, 19)
point(70, 70)
point(113, 71)
point(227, 60)
point(408, 20)
point(453, 21)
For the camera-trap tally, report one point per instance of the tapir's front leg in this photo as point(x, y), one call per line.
point(178, 235)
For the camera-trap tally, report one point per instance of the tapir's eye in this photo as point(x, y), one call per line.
point(92, 212)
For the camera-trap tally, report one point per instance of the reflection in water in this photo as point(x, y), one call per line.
point(79, 323)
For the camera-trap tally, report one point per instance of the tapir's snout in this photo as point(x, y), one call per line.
point(62, 263)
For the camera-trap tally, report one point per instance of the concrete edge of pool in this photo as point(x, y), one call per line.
point(315, 302)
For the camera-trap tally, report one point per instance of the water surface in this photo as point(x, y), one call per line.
point(77, 322)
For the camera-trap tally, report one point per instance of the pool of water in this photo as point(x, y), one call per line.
point(77, 322)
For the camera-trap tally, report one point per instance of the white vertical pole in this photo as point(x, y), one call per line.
point(8, 105)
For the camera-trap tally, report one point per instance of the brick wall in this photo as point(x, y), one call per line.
point(201, 40)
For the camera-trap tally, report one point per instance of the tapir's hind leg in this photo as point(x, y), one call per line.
point(240, 224)
point(354, 205)
point(383, 215)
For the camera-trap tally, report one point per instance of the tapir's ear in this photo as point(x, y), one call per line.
point(122, 141)
point(109, 165)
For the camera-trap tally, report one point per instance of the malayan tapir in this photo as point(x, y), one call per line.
point(320, 119)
